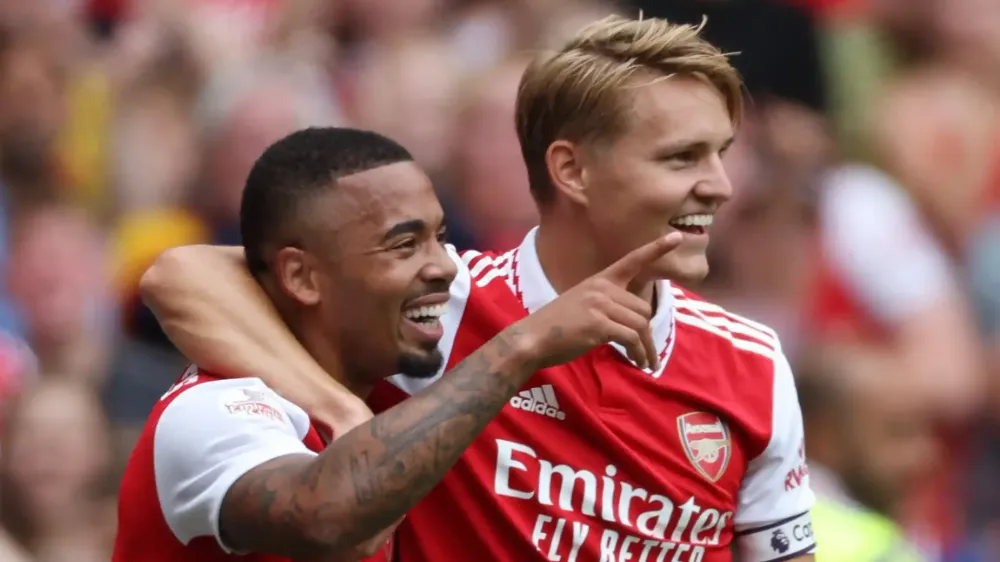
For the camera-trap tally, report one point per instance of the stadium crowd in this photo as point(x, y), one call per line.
point(865, 226)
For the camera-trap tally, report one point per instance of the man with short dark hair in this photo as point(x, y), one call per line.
point(343, 233)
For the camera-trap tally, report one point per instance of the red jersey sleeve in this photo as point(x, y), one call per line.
point(775, 497)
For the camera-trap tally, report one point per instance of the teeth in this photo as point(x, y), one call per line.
point(693, 220)
point(434, 312)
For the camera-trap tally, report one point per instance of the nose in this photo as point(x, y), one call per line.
point(715, 186)
point(440, 267)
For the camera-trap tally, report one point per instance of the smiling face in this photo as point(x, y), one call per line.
point(379, 273)
point(622, 132)
point(662, 173)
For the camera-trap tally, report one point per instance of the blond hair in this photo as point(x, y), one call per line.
point(577, 93)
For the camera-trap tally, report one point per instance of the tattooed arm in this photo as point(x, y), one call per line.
point(302, 506)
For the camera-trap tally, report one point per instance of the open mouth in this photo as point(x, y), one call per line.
point(422, 324)
point(692, 224)
point(427, 315)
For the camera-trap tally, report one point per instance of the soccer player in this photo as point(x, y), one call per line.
point(343, 232)
point(623, 132)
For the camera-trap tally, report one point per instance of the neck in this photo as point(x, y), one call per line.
point(566, 269)
point(329, 358)
point(321, 349)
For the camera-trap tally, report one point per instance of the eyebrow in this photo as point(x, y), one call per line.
point(414, 226)
point(684, 145)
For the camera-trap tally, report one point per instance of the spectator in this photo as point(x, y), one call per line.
point(885, 281)
point(408, 91)
point(868, 445)
point(58, 276)
point(938, 126)
point(153, 188)
point(490, 181)
point(241, 112)
point(54, 473)
point(886, 278)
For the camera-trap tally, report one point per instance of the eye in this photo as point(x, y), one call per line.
point(442, 235)
point(408, 243)
point(683, 159)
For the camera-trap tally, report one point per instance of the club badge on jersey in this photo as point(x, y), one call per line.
point(706, 442)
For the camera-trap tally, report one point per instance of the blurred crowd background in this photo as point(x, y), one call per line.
point(865, 228)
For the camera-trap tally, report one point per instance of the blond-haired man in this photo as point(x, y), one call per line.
point(601, 458)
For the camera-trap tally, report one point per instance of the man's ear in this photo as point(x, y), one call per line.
point(297, 276)
point(566, 170)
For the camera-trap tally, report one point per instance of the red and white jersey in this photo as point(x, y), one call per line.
point(202, 436)
point(598, 460)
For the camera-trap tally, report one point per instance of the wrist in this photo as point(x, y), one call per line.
point(519, 349)
point(339, 414)
point(322, 397)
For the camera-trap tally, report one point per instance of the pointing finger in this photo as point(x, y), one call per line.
point(637, 261)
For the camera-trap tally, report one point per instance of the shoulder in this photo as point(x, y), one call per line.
point(486, 269)
point(202, 400)
point(207, 434)
point(478, 272)
point(759, 388)
point(486, 285)
point(734, 332)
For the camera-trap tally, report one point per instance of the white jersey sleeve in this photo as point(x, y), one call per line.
point(458, 297)
point(209, 436)
point(772, 517)
point(877, 243)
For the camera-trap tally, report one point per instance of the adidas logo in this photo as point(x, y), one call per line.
point(540, 400)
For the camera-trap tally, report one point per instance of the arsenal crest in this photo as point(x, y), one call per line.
point(705, 439)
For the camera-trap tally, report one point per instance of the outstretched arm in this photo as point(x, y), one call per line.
point(300, 506)
point(219, 317)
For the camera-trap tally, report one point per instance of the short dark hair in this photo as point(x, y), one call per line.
point(294, 169)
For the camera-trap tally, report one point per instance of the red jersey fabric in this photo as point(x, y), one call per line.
point(600, 460)
point(201, 437)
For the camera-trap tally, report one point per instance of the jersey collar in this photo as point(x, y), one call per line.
point(535, 291)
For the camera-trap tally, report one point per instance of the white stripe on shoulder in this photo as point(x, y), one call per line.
point(710, 307)
point(469, 255)
point(485, 269)
point(732, 327)
point(477, 263)
point(698, 321)
point(723, 319)
point(492, 275)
